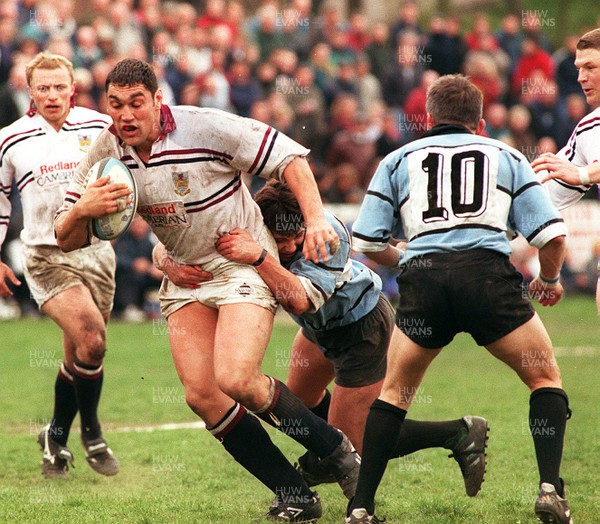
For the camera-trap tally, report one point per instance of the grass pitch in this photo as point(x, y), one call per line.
point(184, 475)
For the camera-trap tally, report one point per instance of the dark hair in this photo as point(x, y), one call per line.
point(454, 99)
point(590, 40)
point(129, 72)
point(280, 209)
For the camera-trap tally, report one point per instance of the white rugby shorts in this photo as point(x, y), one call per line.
point(232, 283)
point(49, 271)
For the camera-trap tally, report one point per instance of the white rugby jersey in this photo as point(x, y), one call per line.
point(582, 149)
point(42, 162)
point(191, 190)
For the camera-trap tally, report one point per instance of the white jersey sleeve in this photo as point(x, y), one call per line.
point(6, 180)
point(581, 150)
point(259, 149)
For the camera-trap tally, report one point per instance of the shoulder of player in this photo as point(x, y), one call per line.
point(105, 144)
point(589, 122)
point(83, 116)
point(20, 130)
point(462, 140)
point(206, 116)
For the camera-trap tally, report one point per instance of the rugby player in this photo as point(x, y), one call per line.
point(188, 164)
point(576, 167)
point(346, 324)
point(453, 195)
point(41, 151)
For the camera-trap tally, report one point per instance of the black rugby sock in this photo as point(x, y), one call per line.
point(322, 408)
point(245, 439)
point(420, 434)
point(548, 413)
point(65, 406)
point(289, 415)
point(381, 434)
point(88, 386)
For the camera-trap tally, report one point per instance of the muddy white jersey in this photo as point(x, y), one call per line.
point(191, 191)
point(42, 161)
point(582, 149)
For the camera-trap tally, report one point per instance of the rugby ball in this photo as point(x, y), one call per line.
point(111, 226)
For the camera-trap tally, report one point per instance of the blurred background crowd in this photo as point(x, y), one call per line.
point(349, 86)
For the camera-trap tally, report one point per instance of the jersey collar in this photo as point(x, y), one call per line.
point(446, 129)
point(167, 122)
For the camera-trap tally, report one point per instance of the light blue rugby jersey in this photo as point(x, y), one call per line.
point(454, 191)
point(343, 290)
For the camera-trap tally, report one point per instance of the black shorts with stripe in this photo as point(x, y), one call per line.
point(477, 291)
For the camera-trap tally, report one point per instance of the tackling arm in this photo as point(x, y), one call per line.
point(183, 275)
point(287, 288)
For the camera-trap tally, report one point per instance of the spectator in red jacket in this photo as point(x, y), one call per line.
point(415, 114)
point(533, 58)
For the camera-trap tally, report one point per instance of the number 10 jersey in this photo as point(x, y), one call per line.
point(455, 191)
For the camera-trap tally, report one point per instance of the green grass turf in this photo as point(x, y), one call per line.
point(183, 476)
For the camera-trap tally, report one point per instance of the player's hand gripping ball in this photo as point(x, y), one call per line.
point(111, 226)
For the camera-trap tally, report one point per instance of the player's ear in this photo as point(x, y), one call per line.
point(429, 121)
point(158, 98)
point(480, 127)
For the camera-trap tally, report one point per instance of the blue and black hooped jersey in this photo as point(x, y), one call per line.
point(454, 191)
point(342, 290)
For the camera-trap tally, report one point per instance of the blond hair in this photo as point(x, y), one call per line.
point(46, 60)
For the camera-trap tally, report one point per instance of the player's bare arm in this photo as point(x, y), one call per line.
point(301, 181)
point(240, 247)
point(190, 276)
point(546, 288)
point(7, 274)
point(99, 199)
point(389, 257)
point(551, 167)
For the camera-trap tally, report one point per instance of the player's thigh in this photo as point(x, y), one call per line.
point(528, 350)
point(407, 363)
point(191, 332)
point(309, 371)
point(75, 311)
point(242, 333)
point(191, 337)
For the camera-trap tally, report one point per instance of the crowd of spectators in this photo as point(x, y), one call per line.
point(350, 88)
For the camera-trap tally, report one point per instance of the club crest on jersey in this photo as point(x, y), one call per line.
point(85, 141)
point(181, 180)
